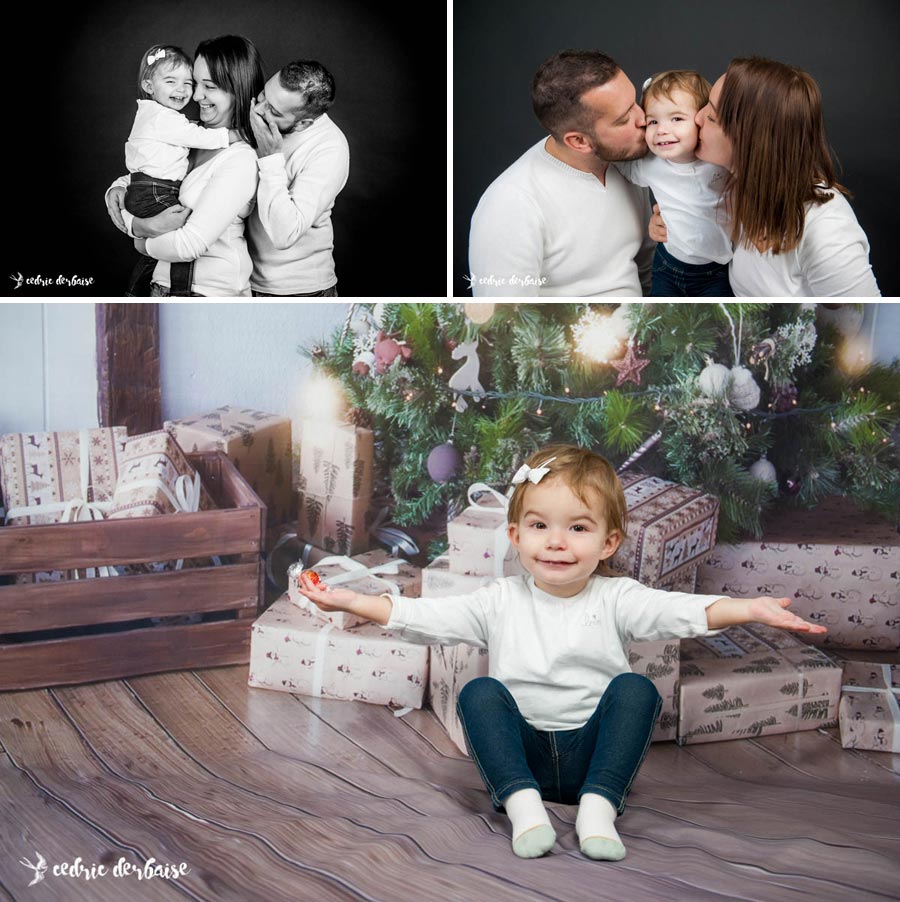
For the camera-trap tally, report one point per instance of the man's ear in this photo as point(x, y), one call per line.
point(512, 530)
point(578, 142)
point(611, 546)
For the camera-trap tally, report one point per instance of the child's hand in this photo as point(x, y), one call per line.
point(771, 611)
point(324, 597)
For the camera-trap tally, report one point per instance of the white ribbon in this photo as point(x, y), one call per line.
point(892, 695)
point(532, 474)
point(356, 570)
point(319, 652)
point(501, 537)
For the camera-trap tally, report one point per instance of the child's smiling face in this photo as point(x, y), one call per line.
point(671, 130)
point(171, 86)
point(560, 539)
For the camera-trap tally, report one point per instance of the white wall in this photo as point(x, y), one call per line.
point(884, 322)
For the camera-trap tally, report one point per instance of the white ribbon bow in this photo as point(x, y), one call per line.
point(501, 537)
point(532, 474)
point(153, 57)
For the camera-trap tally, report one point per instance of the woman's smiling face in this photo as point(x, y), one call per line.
point(216, 104)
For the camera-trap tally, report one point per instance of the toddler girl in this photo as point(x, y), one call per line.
point(561, 716)
point(156, 152)
point(694, 260)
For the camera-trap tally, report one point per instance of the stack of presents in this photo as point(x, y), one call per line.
point(743, 682)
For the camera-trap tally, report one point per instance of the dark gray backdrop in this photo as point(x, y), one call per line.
point(74, 67)
point(850, 48)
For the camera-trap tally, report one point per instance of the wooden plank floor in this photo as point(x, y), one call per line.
point(271, 796)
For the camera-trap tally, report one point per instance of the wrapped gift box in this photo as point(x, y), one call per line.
point(369, 574)
point(450, 668)
point(671, 529)
point(336, 459)
point(754, 680)
point(840, 566)
point(479, 545)
point(339, 525)
point(439, 580)
point(291, 650)
point(258, 444)
point(869, 710)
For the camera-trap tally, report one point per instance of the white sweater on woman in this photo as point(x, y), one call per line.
point(556, 656)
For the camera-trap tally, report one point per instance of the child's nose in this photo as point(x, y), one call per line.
point(556, 538)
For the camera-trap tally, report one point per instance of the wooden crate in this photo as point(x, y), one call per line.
point(116, 610)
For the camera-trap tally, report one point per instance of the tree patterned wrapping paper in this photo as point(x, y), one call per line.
point(670, 529)
point(291, 650)
point(870, 719)
point(339, 525)
point(840, 567)
point(336, 459)
point(754, 680)
point(389, 572)
point(258, 444)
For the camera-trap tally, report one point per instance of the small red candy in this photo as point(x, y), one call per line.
point(312, 576)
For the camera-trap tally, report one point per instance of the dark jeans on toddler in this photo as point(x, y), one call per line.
point(674, 279)
point(147, 196)
point(602, 757)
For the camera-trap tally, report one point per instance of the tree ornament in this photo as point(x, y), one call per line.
point(846, 318)
point(713, 380)
point(629, 367)
point(363, 363)
point(764, 471)
point(444, 462)
point(317, 352)
point(791, 486)
point(784, 397)
point(466, 377)
point(387, 350)
point(640, 452)
point(743, 392)
point(479, 313)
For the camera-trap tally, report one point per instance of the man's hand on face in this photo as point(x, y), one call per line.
point(268, 138)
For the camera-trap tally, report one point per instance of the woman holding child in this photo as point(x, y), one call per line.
point(793, 230)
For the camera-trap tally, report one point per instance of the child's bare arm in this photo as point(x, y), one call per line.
point(771, 611)
point(373, 607)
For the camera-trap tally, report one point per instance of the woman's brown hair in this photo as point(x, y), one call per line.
point(772, 114)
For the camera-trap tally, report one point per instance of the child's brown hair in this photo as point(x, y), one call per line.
point(582, 471)
point(664, 83)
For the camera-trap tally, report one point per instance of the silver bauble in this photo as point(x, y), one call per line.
point(743, 392)
point(764, 471)
point(713, 380)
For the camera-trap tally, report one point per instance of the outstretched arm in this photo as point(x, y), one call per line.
point(771, 611)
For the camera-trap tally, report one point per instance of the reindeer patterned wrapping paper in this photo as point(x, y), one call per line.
point(869, 710)
point(478, 541)
point(258, 444)
point(840, 566)
point(671, 529)
point(291, 650)
point(754, 680)
point(369, 574)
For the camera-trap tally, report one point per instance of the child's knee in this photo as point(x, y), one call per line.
point(638, 688)
point(480, 692)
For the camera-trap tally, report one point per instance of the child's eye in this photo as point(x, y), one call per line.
point(579, 528)
point(651, 122)
point(538, 524)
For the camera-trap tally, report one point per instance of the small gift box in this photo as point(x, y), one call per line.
point(754, 680)
point(450, 668)
point(336, 459)
point(258, 444)
point(371, 573)
point(339, 525)
point(439, 579)
point(478, 540)
point(869, 712)
point(839, 565)
point(670, 529)
point(292, 650)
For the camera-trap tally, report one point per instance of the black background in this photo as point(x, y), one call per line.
point(850, 48)
point(71, 104)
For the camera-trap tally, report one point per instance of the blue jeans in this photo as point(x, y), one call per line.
point(674, 279)
point(602, 757)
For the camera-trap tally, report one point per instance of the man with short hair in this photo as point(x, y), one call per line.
point(303, 163)
point(561, 221)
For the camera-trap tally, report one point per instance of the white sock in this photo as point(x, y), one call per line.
point(595, 826)
point(532, 833)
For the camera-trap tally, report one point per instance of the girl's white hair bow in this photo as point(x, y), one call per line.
point(532, 474)
point(153, 57)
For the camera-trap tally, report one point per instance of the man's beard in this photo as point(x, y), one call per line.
point(616, 155)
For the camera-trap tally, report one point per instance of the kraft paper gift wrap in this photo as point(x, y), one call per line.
point(369, 574)
point(258, 444)
point(670, 529)
point(336, 459)
point(439, 579)
point(754, 680)
point(869, 710)
point(291, 650)
point(840, 567)
point(339, 525)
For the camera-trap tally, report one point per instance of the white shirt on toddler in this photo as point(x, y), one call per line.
point(556, 656)
point(689, 198)
point(161, 139)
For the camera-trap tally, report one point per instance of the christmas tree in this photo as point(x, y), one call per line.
point(757, 403)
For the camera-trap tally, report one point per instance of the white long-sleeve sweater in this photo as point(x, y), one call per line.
point(556, 656)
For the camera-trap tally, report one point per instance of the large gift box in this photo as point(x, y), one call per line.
point(371, 573)
point(336, 459)
point(840, 567)
point(337, 524)
point(670, 529)
point(478, 541)
point(258, 444)
point(869, 710)
point(753, 680)
point(292, 650)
